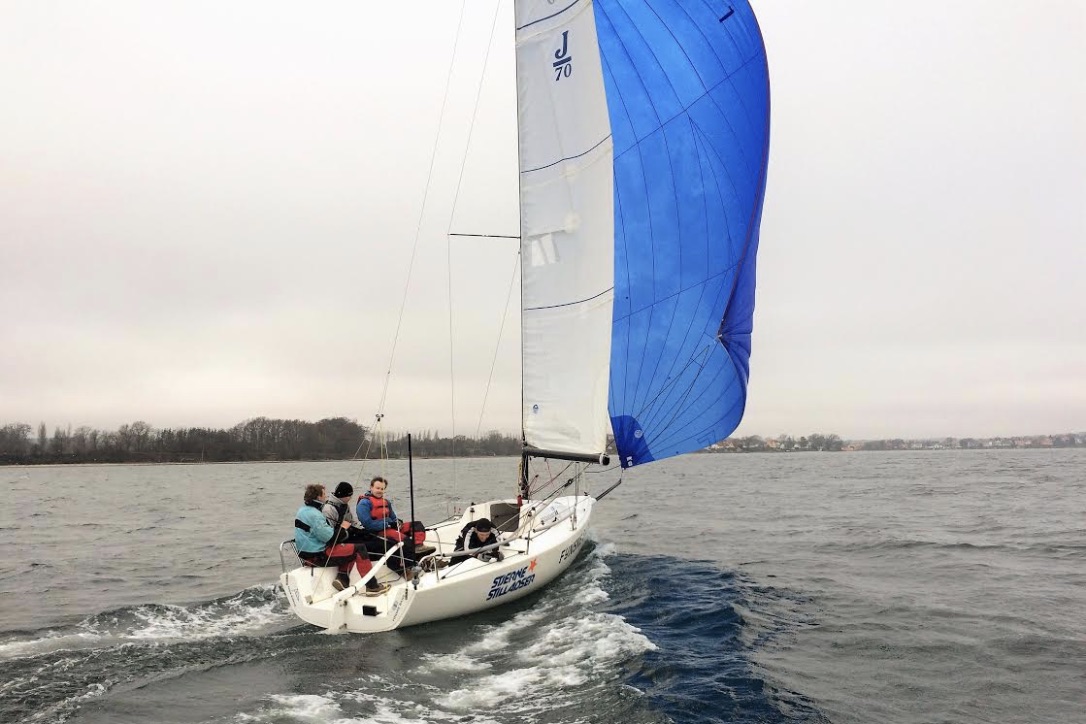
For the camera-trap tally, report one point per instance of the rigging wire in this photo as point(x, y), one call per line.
point(449, 235)
point(418, 225)
point(497, 344)
point(378, 432)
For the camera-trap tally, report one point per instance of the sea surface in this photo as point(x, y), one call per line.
point(878, 587)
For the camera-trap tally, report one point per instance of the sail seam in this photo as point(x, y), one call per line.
point(689, 61)
point(633, 66)
point(727, 34)
point(666, 389)
point(668, 436)
point(710, 404)
point(570, 304)
point(727, 76)
point(674, 439)
point(686, 109)
point(552, 15)
point(649, 307)
point(568, 158)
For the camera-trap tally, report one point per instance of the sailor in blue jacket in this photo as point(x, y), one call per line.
point(383, 528)
point(318, 542)
point(314, 537)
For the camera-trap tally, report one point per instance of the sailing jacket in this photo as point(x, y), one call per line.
point(469, 540)
point(376, 514)
point(336, 511)
point(314, 536)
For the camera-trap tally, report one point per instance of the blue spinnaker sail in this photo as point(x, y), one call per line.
point(687, 88)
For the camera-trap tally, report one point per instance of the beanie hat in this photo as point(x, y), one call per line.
point(343, 490)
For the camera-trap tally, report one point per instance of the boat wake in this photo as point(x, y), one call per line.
point(250, 611)
point(47, 675)
point(541, 659)
point(618, 638)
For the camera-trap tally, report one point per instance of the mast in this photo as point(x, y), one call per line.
point(522, 484)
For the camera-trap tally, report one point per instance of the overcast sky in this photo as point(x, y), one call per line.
point(208, 211)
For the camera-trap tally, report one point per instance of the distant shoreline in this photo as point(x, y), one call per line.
point(262, 439)
point(93, 463)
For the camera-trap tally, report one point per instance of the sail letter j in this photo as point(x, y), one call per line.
point(563, 61)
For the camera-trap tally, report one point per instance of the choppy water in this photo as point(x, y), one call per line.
point(868, 587)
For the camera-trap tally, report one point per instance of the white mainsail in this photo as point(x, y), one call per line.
point(567, 227)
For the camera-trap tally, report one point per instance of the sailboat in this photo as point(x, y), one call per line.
point(643, 147)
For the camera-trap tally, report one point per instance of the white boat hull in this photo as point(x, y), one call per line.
point(544, 545)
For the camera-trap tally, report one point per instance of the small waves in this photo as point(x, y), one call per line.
point(247, 612)
point(891, 544)
point(706, 625)
point(49, 674)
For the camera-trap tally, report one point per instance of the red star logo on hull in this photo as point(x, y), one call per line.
point(531, 566)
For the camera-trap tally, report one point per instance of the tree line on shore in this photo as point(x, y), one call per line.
point(258, 439)
point(339, 438)
point(817, 442)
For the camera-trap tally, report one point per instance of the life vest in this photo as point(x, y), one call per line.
point(379, 507)
point(380, 510)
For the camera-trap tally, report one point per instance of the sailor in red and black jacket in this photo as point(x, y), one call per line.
point(382, 527)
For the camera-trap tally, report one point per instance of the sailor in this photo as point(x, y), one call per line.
point(338, 509)
point(477, 534)
point(320, 545)
point(383, 529)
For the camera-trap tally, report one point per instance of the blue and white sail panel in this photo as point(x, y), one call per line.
point(567, 226)
point(688, 99)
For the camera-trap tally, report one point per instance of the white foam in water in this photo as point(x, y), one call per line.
point(522, 666)
point(521, 686)
point(598, 636)
point(604, 550)
point(571, 645)
point(387, 709)
point(57, 711)
point(459, 661)
point(496, 638)
point(567, 654)
point(592, 594)
point(163, 622)
point(491, 639)
point(179, 622)
point(307, 707)
point(51, 641)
